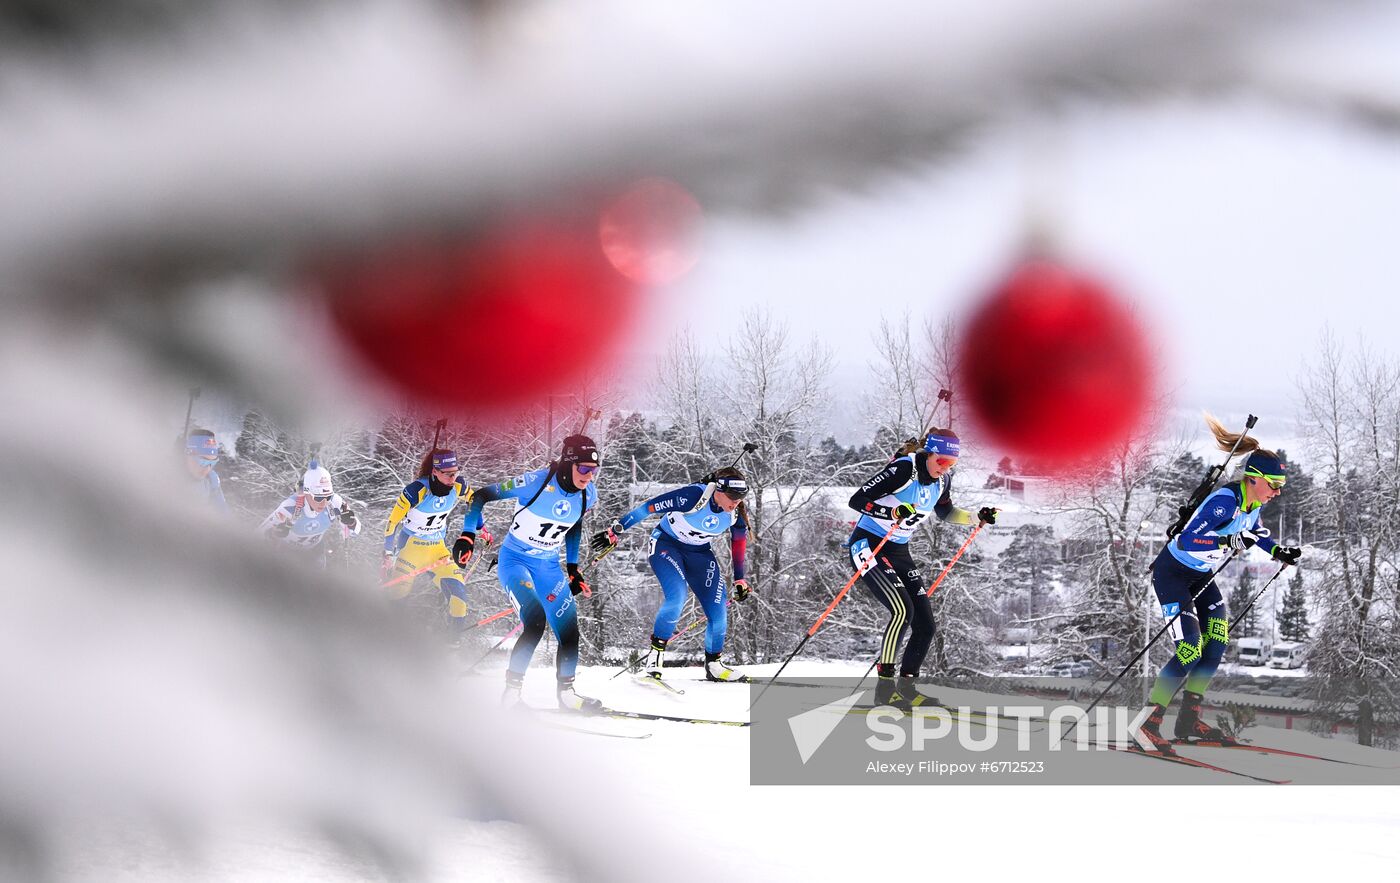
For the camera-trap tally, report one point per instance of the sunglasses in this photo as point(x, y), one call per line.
point(1274, 481)
point(321, 498)
point(584, 469)
point(945, 462)
point(207, 461)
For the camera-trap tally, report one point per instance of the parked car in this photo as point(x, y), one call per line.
point(1253, 651)
point(1071, 669)
point(1289, 656)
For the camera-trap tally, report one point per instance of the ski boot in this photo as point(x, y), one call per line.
point(908, 691)
point(718, 671)
point(651, 663)
point(572, 701)
point(511, 697)
point(651, 667)
point(1152, 729)
point(1190, 728)
point(902, 693)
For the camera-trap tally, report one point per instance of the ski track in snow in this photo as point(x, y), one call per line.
point(697, 777)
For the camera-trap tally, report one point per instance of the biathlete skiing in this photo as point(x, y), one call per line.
point(916, 484)
point(680, 555)
point(1225, 524)
point(550, 504)
point(201, 456)
point(303, 519)
point(415, 537)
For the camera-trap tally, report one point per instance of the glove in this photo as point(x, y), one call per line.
point(387, 566)
point(485, 535)
point(349, 519)
point(604, 541)
point(903, 511)
point(1238, 542)
point(987, 515)
point(463, 548)
point(1287, 554)
point(576, 583)
point(742, 590)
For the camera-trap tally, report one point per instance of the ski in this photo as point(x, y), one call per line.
point(737, 679)
point(649, 716)
point(971, 715)
point(1280, 752)
point(657, 681)
point(1198, 764)
point(594, 732)
point(789, 684)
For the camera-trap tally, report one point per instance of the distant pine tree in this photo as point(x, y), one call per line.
point(1293, 618)
point(1239, 598)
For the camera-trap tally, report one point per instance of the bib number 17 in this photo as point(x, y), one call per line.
point(559, 530)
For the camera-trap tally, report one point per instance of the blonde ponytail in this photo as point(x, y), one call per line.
point(1225, 439)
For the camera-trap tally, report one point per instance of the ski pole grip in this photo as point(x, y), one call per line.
point(1250, 421)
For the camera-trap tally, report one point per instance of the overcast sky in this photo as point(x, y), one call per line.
point(1209, 215)
point(1237, 226)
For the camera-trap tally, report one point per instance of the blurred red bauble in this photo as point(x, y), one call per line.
point(651, 231)
point(492, 320)
point(1054, 366)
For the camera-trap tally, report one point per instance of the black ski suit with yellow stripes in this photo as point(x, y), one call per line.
point(894, 578)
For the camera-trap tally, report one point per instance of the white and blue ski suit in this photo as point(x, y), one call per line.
point(548, 514)
point(681, 557)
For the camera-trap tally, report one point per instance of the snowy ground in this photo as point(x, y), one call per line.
point(694, 779)
point(698, 777)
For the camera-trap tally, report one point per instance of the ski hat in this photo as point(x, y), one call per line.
point(1265, 465)
point(203, 445)
point(942, 445)
point(444, 459)
point(317, 481)
point(579, 449)
point(733, 485)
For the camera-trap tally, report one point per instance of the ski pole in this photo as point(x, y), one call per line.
point(476, 559)
point(632, 664)
point(749, 448)
point(519, 626)
point(189, 409)
point(492, 618)
point(866, 675)
point(954, 560)
point(1239, 616)
point(446, 559)
point(825, 613)
point(1257, 595)
point(1148, 646)
point(932, 588)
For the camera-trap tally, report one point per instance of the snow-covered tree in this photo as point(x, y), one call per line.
point(1115, 518)
point(1351, 413)
point(1293, 617)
